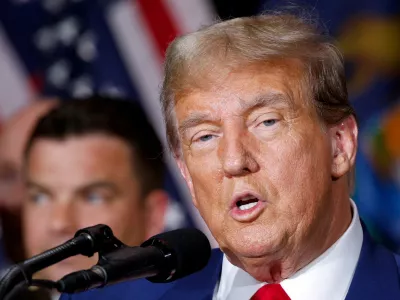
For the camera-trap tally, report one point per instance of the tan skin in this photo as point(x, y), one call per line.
point(13, 137)
point(256, 132)
point(80, 182)
point(12, 143)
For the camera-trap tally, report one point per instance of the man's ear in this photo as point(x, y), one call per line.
point(344, 146)
point(156, 203)
point(186, 175)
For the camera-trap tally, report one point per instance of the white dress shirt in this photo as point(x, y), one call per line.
point(328, 277)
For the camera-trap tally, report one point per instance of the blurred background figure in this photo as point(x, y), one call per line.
point(73, 49)
point(88, 162)
point(13, 138)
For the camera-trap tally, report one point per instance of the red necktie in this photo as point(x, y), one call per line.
point(270, 292)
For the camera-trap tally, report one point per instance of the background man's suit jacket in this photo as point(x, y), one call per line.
point(377, 277)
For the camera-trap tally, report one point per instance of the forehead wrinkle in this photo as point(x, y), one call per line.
point(271, 99)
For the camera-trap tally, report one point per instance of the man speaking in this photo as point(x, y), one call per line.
point(259, 121)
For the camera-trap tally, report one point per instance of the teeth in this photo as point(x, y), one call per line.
point(247, 206)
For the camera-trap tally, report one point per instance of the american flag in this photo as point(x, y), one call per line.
point(74, 48)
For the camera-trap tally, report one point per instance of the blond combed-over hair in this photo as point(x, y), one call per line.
point(197, 60)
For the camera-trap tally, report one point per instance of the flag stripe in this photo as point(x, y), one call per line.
point(190, 15)
point(160, 24)
point(143, 59)
point(140, 56)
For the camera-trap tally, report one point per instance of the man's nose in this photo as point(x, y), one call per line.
point(235, 156)
point(62, 220)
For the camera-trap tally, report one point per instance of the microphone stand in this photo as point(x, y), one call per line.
point(87, 242)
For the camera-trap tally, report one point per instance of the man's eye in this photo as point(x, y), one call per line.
point(269, 122)
point(39, 198)
point(95, 198)
point(205, 138)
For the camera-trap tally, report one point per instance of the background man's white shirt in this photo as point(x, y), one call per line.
point(328, 277)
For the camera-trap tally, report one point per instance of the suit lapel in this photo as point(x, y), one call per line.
point(376, 275)
point(199, 286)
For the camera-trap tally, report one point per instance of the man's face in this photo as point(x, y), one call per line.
point(80, 182)
point(258, 162)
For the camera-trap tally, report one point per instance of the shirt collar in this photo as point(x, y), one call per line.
point(327, 277)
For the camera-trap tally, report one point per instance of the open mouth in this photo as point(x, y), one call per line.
point(247, 206)
point(247, 202)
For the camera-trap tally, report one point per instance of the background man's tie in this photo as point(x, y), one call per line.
point(270, 292)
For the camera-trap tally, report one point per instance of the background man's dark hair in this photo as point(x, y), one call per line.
point(118, 118)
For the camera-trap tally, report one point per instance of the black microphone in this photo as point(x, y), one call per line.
point(86, 242)
point(163, 258)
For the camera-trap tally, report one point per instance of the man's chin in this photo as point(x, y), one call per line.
point(253, 256)
point(255, 248)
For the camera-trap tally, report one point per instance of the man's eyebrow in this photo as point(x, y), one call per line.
point(35, 185)
point(98, 185)
point(193, 120)
point(267, 100)
point(84, 187)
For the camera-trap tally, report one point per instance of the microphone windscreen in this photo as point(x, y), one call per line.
point(190, 247)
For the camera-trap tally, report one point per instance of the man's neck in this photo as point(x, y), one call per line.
point(322, 239)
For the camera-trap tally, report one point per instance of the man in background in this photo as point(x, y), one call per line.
point(89, 162)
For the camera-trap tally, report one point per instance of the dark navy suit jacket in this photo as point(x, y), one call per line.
point(377, 277)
